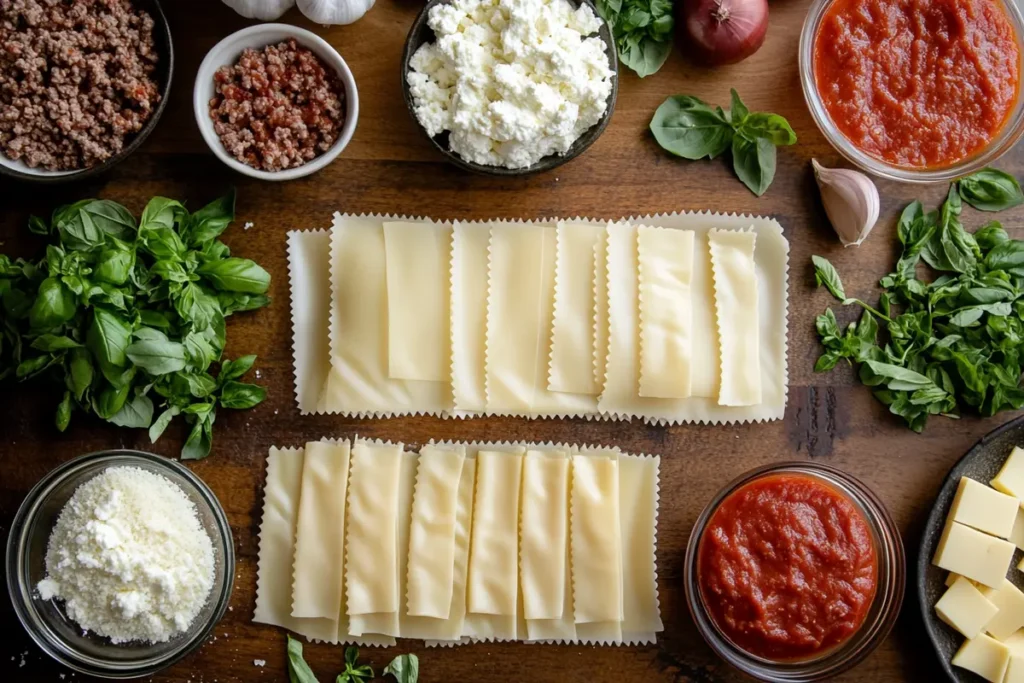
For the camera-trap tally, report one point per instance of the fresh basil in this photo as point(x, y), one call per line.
point(692, 129)
point(354, 673)
point(642, 31)
point(405, 668)
point(991, 190)
point(123, 317)
point(298, 670)
point(826, 274)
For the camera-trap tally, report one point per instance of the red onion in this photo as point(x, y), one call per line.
point(724, 31)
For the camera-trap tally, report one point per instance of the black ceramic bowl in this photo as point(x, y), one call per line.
point(421, 33)
point(982, 462)
point(164, 72)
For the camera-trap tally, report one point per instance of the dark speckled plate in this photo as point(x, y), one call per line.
point(982, 462)
point(422, 33)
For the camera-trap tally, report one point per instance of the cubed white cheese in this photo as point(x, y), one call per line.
point(1010, 602)
point(985, 656)
point(1010, 479)
point(1015, 669)
point(1017, 535)
point(1015, 642)
point(970, 553)
point(964, 608)
point(984, 508)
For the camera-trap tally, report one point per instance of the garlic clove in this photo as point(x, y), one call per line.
point(851, 202)
point(264, 10)
point(332, 12)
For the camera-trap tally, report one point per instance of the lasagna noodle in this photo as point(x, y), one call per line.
point(277, 548)
point(666, 321)
point(451, 628)
point(406, 492)
point(562, 629)
point(544, 532)
point(431, 543)
point(600, 330)
point(638, 520)
point(520, 306)
point(358, 382)
point(595, 538)
point(309, 271)
point(470, 244)
point(732, 257)
point(418, 262)
point(571, 366)
point(317, 581)
point(371, 545)
point(493, 555)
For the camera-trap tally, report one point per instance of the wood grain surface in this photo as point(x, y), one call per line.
point(390, 167)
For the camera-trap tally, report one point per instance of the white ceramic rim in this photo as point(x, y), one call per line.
point(226, 52)
point(1004, 140)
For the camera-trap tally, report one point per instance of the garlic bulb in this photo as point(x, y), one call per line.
point(264, 10)
point(334, 11)
point(851, 202)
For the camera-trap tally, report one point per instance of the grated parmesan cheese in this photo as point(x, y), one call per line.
point(129, 557)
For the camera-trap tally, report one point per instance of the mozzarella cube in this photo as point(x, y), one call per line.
point(974, 555)
point(1010, 479)
point(1017, 535)
point(1010, 602)
point(964, 608)
point(985, 656)
point(1016, 643)
point(1015, 668)
point(984, 508)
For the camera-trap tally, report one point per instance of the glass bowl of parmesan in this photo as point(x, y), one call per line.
point(120, 563)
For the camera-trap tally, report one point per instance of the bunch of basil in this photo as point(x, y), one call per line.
point(642, 30)
point(955, 342)
point(126, 314)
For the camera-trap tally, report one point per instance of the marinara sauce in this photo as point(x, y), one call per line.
point(787, 567)
point(917, 83)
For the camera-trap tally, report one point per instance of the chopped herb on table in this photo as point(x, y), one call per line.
point(129, 316)
point(404, 668)
point(956, 342)
point(692, 129)
point(642, 30)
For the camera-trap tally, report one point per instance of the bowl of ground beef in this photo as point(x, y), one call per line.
point(275, 102)
point(82, 84)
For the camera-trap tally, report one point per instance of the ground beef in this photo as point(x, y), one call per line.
point(76, 80)
point(278, 107)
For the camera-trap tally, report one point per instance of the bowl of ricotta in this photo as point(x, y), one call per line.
point(120, 563)
point(510, 87)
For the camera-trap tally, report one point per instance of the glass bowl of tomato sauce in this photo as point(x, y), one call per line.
point(920, 91)
point(794, 572)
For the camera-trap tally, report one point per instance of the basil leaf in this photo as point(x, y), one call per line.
point(199, 441)
point(233, 369)
point(991, 190)
point(689, 128)
point(137, 413)
point(162, 243)
point(911, 214)
point(210, 221)
point(38, 226)
point(80, 373)
point(826, 274)
point(55, 304)
point(111, 218)
point(107, 339)
point(738, 111)
point(899, 378)
point(161, 423)
point(110, 400)
point(236, 275)
point(298, 670)
point(198, 351)
point(769, 126)
point(50, 343)
point(157, 357)
point(63, 416)
point(161, 212)
point(114, 266)
point(754, 163)
point(195, 305)
point(1008, 256)
point(33, 366)
point(239, 396)
point(405, 668)
point(234, 302)
point(990, 235)
point(76, 228)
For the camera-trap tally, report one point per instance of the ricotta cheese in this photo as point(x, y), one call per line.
point(512, 80)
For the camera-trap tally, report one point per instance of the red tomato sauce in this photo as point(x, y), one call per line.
point(787, 567)
point(917, 83)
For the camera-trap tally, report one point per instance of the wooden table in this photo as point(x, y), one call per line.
point(389, 167)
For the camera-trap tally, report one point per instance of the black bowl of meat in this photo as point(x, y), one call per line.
point(82, 84)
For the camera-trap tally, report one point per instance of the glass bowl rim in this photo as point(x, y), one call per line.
point(999, 145)
point(20, 589)
point(885, 606)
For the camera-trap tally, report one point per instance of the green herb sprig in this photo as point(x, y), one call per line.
point(642, 30)
point(130, 317)
point(404, 668)
point(952, 344)
point(692, 129)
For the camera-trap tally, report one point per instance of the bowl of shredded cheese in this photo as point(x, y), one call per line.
point(120, 563)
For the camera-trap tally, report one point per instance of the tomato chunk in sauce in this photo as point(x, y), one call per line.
point(787, 567)
point(917, 83)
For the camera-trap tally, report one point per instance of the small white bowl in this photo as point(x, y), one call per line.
point(226, 53)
